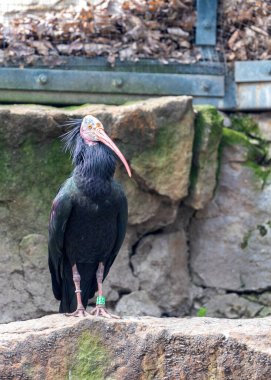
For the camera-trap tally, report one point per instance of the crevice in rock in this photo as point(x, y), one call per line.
point(189, 267)
point(207, 294)
point(235, 291)
point(135, 245)
point(18, 271)
point(249, 292)
point(5, 202)
point(122, 292)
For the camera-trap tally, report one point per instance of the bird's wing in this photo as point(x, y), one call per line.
point(121, 229)
point(60, 212)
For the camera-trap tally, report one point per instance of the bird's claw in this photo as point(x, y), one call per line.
point(99, 311)
point(79, 312)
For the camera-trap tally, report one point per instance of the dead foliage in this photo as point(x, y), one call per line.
point(128, 30)
point(245, 30)
point(135, 29)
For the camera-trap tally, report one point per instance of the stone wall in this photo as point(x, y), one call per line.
point(199, 224)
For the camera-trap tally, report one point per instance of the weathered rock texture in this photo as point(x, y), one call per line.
point(56, 348)
point(199, 209)
point(155, 263)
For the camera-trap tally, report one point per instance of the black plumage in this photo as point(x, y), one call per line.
point(88, 221)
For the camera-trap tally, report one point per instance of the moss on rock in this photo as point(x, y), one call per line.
point(31, 175)
point(232, 137)
point(203, 175)
point(207, 116)
point(245, 124)
point(91, 358)
point(245, 132)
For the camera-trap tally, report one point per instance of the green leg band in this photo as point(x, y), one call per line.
point(100, 301)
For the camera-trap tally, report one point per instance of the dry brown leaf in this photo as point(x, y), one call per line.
point(258, 30)
point(233, 38)
point(177, 32)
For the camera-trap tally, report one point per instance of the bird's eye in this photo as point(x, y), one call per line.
point(90, 126)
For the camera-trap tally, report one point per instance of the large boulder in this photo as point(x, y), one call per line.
point(58, 347)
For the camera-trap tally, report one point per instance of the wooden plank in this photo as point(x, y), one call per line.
point(206, 22)
point(253, 71)
point(108, 82)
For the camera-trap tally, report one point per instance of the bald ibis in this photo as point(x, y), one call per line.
point(87, 221)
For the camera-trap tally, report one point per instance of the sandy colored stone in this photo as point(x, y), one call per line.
point(164, 166)
point(56, 347)
point(147, 211)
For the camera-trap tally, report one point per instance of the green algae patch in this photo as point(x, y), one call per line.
point(245, 124)
point(260, 172)
point(245, 132)
point(208, 120)
point(90, 359)
point(246, 239)
point(208, 133)
point(159, 159)
point(256, 148)
point(30, 176)
point(205, 164)
point(232, 137)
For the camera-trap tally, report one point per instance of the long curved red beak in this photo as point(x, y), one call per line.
point(105, 139)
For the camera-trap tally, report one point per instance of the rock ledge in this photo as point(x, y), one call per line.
point(57, 347)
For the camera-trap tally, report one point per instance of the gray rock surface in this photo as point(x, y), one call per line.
point(231, 306)
point(57, 347)
point(136, 304)
point(161, 265)
point(231, 248)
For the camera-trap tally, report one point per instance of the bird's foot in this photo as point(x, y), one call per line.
point(79, 312)
point(99, 311)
